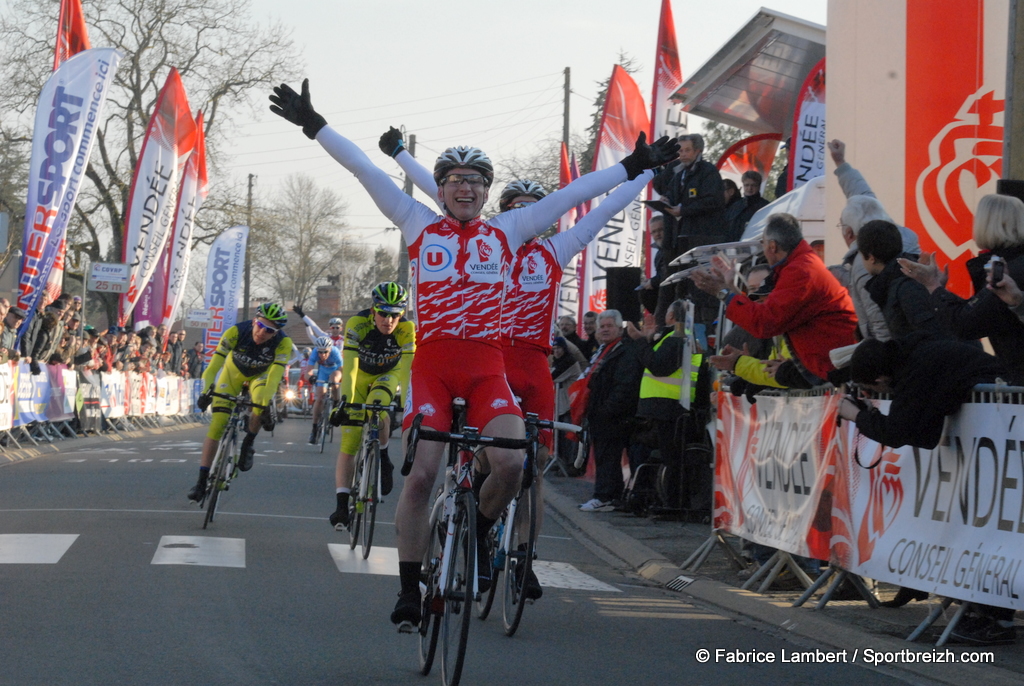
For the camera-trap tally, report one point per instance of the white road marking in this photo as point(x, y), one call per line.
point(200, 551)
point(564, 575)
point(382, 561)
point(305, 466)
point(36, 549)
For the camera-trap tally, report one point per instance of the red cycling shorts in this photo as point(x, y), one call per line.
point(443, 370)
point(529, 376)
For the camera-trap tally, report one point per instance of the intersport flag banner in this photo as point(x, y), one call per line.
point(955, 97)
point(194, 189)
point(619, 243)
point(72, 36)
point(225, 270)
point(756, 153)
point(568, 291)
point(773, 471)
point(170, 138)
point(69, 110)
point(807, 148)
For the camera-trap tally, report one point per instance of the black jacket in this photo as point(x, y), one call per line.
point(738, 215)
point(933, 378)
point(614, 390)
point(697, 192)
point(985, 315)
point(906, 305)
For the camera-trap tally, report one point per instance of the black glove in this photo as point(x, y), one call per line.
point(34, 367)
point(297, 108)
point(391, 143)
point(267, 420)
point(858, 402)
point(204, 401)
point(337, 416)
point(645, 156)
point(297, 309)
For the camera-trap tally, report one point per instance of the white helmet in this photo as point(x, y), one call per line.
point(463, 156)
point(518, 188)
point(335, 321)
point(324, 344)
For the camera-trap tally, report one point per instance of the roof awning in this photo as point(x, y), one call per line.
point(753, 80)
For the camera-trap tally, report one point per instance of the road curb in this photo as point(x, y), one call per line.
point(805, 622)
point(24, 454)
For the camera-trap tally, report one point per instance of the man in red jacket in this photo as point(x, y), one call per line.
point(806, 305)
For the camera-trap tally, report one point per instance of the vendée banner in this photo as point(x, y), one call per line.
point(170, 138)
point(807, 148)
point(70, 107)
point(619, 243)
point(225, 267)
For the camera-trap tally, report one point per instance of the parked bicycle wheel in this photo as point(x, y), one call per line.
point(458, 592)
point(519, 558)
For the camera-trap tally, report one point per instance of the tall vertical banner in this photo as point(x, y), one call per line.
point(569, 290)
point(225, 271)
point(169, 140)
point(667, 116)
point(70, 107)
point(807, 149)
point(72, 36)
point(618, 244)
point(956, 84)
point(194, 189)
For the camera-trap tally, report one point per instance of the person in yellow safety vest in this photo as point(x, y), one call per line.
point(661, 353)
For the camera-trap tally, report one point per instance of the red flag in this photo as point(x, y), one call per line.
point(72, 36)
point(667, 117)
point(568, 219)
point(755, 153)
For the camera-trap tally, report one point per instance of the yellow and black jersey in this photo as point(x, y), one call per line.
point(376, 353)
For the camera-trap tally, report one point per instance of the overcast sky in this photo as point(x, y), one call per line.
point(487, 74)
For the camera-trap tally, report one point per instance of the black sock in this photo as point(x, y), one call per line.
point(203, 473)
point(409, 574)
point(483, 525)
point(478, 482)
point(384, 454)
point(342, 501)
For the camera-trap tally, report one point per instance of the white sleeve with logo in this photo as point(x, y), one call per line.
point(409, 215)
point(567, 244)
point(526, 222)
point(421, 178)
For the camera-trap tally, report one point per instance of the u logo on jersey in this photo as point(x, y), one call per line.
point(436, 258)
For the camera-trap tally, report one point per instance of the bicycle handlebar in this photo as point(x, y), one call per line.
point(237, 399)
point(345, 405)
point(417, 431)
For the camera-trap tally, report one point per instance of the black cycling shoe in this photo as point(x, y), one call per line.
point(314, 435)
point(483, 565)
point(339, 518)
point(408, 608)
point(198, 491)
point(247, 453)
point(387, 474)
point(532, 588)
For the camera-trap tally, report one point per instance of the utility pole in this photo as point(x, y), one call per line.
point(403, 249)
point(1012, 182)
point(248, 222)
point(565, 110)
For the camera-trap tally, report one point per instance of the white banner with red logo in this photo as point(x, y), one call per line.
point(619, 243)
point(169, 140)
point(225, 267)
point(807, 149)
point(772, 471)
point(948, 521)
point(69, 110)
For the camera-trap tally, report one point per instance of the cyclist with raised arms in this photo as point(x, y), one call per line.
point(379, 347)
point(531, 289)
point(458, 264)
point(328, 371)
point(256, 352)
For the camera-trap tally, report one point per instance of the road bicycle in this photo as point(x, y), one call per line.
point(449, 569)
point(324, 427)
point(513, 538)
point(224, 467)
point(362, 505)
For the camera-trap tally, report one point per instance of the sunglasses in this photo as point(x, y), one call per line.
point(388, 315)
point(266, 327)
point(471, 179)
point(519, 205)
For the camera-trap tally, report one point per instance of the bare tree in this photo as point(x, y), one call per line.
point(383, 266)
point(226, 62)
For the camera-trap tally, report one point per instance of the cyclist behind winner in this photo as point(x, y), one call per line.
point(328, 361)
point(256, 352)
point(379, 346)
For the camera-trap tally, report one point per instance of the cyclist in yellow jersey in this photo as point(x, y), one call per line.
point(379, 345)
point(255, 351)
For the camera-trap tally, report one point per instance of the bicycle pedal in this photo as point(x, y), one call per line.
point(407, 627)
point(340, 527)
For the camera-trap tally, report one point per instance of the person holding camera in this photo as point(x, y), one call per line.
point(999, 233)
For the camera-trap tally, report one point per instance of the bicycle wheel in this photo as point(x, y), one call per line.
point(519, 559)
point(484, 603)
point(458, 592)
point(430, 621)
point(355, 506)
point(325, 412)
point(217, 477)
point(370, 470)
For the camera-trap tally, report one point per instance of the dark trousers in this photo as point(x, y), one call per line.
point(608, 447)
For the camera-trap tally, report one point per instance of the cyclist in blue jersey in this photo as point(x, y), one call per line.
point(328, 360)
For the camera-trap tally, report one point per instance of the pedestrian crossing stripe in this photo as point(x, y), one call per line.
point(564, 575)
point(37, 549)
point(382, 561)
point(200, 551)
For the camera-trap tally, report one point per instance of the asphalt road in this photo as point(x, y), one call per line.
point(107, 577)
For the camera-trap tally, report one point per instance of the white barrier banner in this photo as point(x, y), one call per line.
point(113, 394)
point(7, 395)
point(70, 379)
point(948, 520)
point(772, 476)
point(135, 389)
